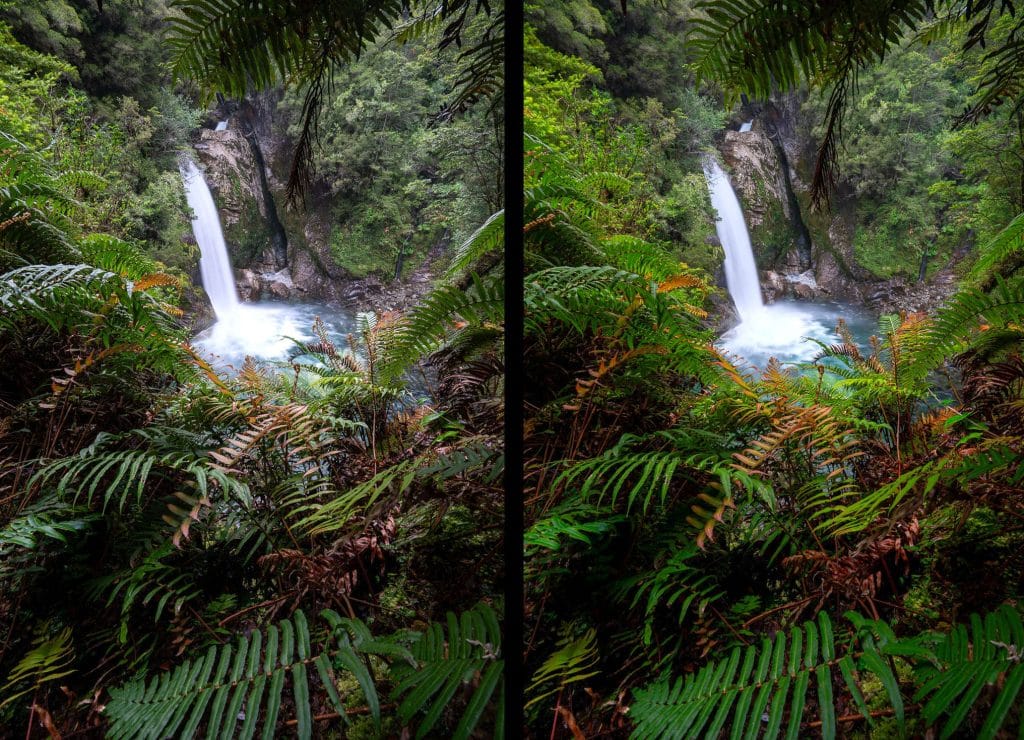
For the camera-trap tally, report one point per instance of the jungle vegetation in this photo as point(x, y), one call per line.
point(306, 550)
point(830, 550)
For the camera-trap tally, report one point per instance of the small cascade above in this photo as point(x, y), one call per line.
point(214, 265)
point(222, 126)
point(744, 127)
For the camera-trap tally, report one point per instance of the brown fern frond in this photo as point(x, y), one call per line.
point(331, 576)
point(181, 518)
point(856, 579)
point(607, 364)
point(705, 519)
point(679, 281)
point(154, 280)
point(269, 425)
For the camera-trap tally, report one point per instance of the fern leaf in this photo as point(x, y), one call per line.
point(573, 662)
point(48, 660)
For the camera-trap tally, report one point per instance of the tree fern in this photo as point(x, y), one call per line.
point(427, 668)
point(234, 46)
point(757, 46)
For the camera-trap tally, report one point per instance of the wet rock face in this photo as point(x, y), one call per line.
point(254, 285)
point(754, 172)
point(900, 295)
point(227, 166)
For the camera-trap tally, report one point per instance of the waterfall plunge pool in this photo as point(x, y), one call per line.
point(265, 331)
point(781, 329)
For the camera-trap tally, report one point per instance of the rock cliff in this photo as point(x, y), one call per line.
point(802, 253)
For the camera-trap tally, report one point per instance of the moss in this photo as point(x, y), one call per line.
point(445, 560)
point(818, 223)
point(774, 237)
point(249, 235)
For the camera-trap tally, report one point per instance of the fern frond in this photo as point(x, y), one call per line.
point(468, 653)
point(488, 239)
point(962, 663)
point(48, 518)
point(48, 660)
point(573, 661)
point(426, 668)
point(767, 679)
point(422, 330)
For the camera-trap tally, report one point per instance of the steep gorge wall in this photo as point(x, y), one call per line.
point(279, 252)
point(801, 252)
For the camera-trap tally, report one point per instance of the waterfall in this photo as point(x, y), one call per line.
point(745, 126)
point(740, 268)
point(214, 265)
point(221, 126)
point(776, 330)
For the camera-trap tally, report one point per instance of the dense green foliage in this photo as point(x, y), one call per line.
point(717, 551)
point(107, 123)
point(235, 46)
point(165, 527)
point(397, 183)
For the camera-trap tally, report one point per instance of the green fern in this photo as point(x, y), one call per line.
point(48, 660)
point(118, 477)
point(426, 668)
point(954, 669)
point(1000, 256)
point(489, 239)
point(469, 654)
point(575, 660)
point(767, 679)
point(46, 519)
point(677, 583)
point(426, 327)
point(950, 671)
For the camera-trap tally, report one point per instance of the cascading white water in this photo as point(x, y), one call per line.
point(740, 268)
point(221, 126)
point(776, 330)
point(218, 280)
point(745, 126)
point(264, 331)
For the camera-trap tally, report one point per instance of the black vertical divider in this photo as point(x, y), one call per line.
point(513, 638)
